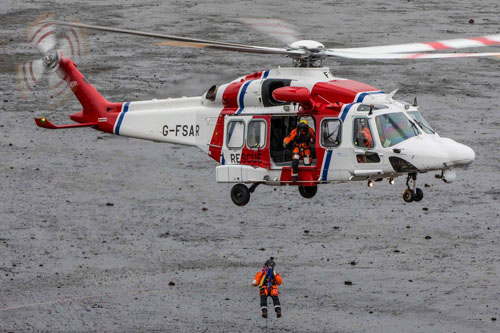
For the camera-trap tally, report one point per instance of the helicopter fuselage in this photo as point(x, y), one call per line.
point(361, 132)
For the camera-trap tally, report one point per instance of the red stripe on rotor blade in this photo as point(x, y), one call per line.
point(414, 56)
point(44, 36)
point(39, 29)
point(77, 40)
point(70, 45)
point(59, 93)
point(485, 41)
point(437, 45)
point(31, 72)
point(25, 77)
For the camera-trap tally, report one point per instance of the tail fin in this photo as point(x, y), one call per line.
point(96, 109)
point(94, 105)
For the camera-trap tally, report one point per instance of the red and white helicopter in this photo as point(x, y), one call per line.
point(242, 124)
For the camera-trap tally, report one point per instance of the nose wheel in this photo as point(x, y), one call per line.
point(412, 193)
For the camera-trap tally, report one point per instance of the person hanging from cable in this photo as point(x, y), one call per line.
point(302, 137)
point(268, 281)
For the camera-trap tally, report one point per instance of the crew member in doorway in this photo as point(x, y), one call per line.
point(302, 137)
point(268, 281)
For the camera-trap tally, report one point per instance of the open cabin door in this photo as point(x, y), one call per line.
point(281, 127)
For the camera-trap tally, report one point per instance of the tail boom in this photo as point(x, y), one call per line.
point(97, 111)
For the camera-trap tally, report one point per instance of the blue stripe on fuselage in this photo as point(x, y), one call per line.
point(241, 99)
point(328, 158)
point(120, 118)
point(346, 111)
point(362, 96)
point(241, 103)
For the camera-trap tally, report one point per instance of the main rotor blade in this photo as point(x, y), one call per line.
point(447, 44)
point(189, 42)
point(247, 49)
point(356, 55)
point(274, 28)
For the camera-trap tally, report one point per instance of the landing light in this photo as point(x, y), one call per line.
point(391, 181)
point(370, 183)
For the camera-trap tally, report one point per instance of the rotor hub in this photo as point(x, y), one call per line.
point(51, 58)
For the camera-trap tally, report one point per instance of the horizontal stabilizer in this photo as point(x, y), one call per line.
point(45, 123)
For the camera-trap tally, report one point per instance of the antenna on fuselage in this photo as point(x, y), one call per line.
point(415, 101)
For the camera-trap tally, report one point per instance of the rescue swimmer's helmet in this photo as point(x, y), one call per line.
point(303, 126)
point(270, 262)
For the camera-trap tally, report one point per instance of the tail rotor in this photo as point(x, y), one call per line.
point(43, 35)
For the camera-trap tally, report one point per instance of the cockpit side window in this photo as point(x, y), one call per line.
point(362, 134)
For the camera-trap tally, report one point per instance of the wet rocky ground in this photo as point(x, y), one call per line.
point(104, 233)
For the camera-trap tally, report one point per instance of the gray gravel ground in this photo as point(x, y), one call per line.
point(60, 241)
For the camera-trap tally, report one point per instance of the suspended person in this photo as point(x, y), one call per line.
point(268, 281)
point(302, 137)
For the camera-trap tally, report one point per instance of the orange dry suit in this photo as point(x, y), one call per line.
point(367, 137)
point(268, 281)
point(302, 141)
point(302, 137)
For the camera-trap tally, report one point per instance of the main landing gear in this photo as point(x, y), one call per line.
point(412, 193)
point(308, 191)
point(240, 193)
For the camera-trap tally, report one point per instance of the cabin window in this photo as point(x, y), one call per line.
point(369, 157)
point(330, 132)
point(235, 134)
point(362, 134)
point(256, 136)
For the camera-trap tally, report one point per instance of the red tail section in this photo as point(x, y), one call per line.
point(97, 111)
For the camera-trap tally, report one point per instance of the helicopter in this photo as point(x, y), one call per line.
point(242, 124)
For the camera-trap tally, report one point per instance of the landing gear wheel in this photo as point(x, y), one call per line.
point(240, 194)
point(308, 191)
point(408, 195)
point(419, 194)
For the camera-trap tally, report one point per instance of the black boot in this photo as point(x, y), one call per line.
point(278, 312)
point(264, 313)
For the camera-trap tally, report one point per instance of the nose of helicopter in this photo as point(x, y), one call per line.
point(458, 154)
point(431, 153)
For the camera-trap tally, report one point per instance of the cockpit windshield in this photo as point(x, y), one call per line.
point(421, 122)
point(394, 128)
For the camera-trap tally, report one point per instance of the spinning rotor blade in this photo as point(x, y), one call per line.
point(355, 55)
point(189, 42)
point(28, 75)
point(74, 43)
point(42, 34)
point(448, 44)
point(274, 28)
